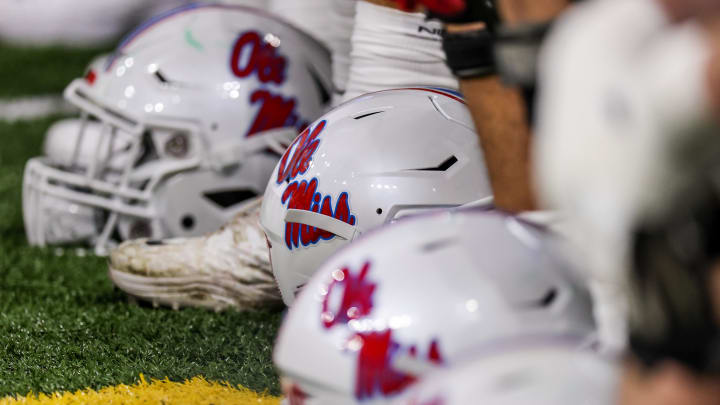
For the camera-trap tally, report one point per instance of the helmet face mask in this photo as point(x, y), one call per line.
point(173, 140)
point(370, 161)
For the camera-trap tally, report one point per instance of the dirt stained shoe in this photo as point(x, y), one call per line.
point(229, 268)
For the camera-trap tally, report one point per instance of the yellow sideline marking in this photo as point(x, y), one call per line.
point(198, 390)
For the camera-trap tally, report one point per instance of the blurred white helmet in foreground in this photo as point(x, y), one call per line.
point(535, 373)
point(184, 123)
point(420, 294)
point(369, 161)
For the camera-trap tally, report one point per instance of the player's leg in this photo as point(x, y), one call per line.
point(393, 48)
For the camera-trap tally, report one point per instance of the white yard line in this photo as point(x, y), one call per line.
point(24, 108)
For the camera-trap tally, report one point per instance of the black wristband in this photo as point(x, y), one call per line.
point(470, 53)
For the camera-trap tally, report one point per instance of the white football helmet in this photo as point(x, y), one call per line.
point(184, 123)
point(423, 293)
point(541, 373)
point(369, 161)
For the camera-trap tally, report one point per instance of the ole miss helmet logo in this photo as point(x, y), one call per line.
point(349, 298)
point(304, 195)
point(252, 55)
point(355, 293)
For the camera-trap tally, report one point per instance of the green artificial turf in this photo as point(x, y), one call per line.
point(34, 71)
point(64, 327)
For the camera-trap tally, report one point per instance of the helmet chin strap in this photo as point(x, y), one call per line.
point(324, 222)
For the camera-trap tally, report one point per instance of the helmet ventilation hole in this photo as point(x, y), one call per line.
point(379, 211)
point(188, 222)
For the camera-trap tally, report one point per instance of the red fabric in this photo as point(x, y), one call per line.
point(446, 7)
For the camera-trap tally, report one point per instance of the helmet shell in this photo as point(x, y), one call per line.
point(369, 161)
point(426, 292)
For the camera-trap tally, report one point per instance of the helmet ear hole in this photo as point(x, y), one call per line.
point(188, 222)
point(178, 145)
point(379, 211)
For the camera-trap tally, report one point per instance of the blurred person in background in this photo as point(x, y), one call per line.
point(626, 129)
point(622, 83)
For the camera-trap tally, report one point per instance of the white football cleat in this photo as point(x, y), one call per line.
point(229, 268)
